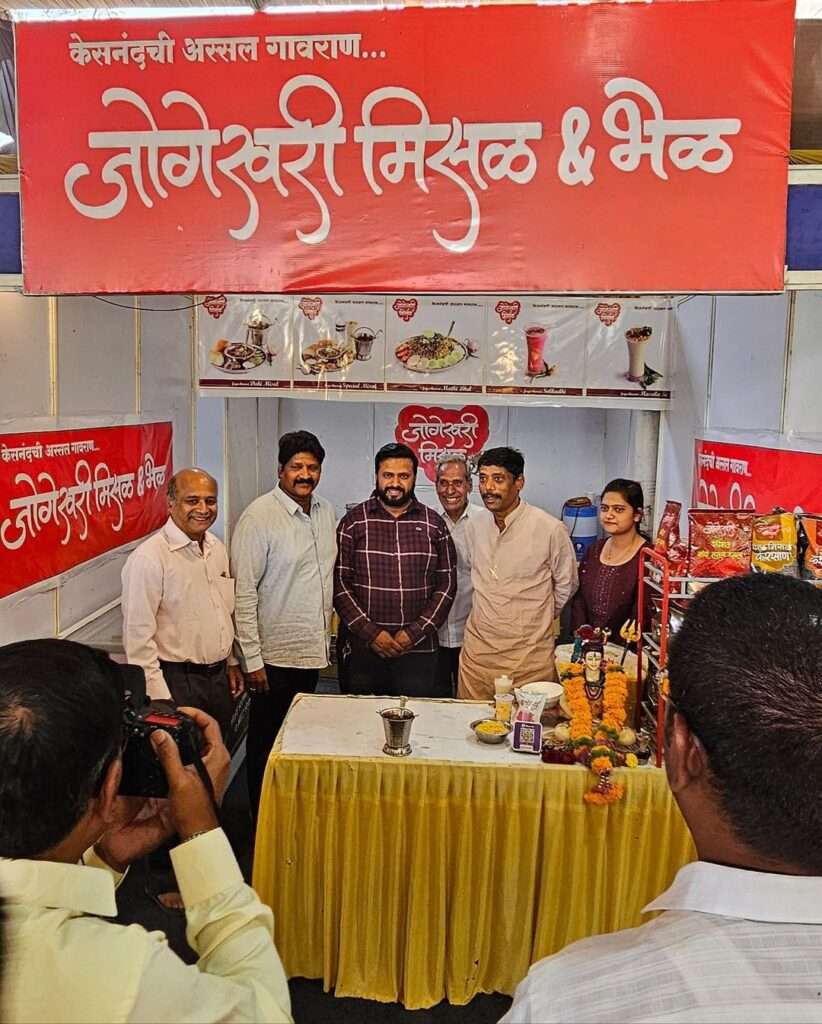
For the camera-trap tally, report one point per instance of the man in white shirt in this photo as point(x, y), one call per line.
point(282, 556)
point(740, 938)
point(67, 838)
point(453, 482)
point(177, 604)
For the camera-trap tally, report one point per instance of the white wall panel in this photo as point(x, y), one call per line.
point(166, 368)
point(241, 438)
point(748, 376)
point(26, 617)
point(210, 448)
point(803, 413)
point(24, 356)
point(686, 418)
point(268, 432)
point(88, 589)
point(96, 357)
point(564, 452)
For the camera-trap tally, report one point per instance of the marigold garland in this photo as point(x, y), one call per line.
point(595, 747)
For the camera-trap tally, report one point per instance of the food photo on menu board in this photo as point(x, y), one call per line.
point(628, 348)
point(536, 346)
point(244, 341)
point(339, 342)
point(434, 344)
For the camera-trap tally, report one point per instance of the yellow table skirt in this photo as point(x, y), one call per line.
point(415, 881)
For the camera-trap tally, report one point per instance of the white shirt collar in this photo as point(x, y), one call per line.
point(705, 888)
point(176, 539)
point(291, 506)
point(468, 511)
point(72, 887)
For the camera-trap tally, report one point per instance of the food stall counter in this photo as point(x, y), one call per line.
point(448, 872)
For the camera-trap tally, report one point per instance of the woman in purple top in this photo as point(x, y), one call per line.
point(609, 573)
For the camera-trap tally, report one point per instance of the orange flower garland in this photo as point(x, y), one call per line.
point(595, 747)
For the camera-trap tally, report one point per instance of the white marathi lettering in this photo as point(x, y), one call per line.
point(507, 153)
point(122, 51)
point(255, 158)
point(688, 144)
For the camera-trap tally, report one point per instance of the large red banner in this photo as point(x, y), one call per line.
point(69, 495)
point(748, 477)
point(580, 148)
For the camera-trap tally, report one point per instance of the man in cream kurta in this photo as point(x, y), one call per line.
point(523, 572)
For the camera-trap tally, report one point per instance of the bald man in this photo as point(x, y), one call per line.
point(178, 599)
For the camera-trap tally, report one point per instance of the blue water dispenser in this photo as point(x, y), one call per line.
point(582, 523)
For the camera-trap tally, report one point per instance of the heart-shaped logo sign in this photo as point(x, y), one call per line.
point(608, 312)
point(431, 432)
point(311, 307)
point(405, 308)
point(215, 305)
point(508, 311)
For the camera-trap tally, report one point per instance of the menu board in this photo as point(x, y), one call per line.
point(434, 343)
point(245, 341)
point(613, 351)
point(628, 349)
point(537, 346)
point(339, 342)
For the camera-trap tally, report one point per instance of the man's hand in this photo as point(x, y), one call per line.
point(257, 681)
point(236, 681)
point(216, 759)
point(190, 804)
point(139, 827)
point(385, 645)
point(404, 640)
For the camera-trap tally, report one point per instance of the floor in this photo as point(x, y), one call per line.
point(310, 1005)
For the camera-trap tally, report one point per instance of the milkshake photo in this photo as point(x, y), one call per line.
point(535, 339)
point(637, 338)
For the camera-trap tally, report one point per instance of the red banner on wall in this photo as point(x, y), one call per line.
point(581, 148)
point(431, 432)
point(747, 477)
point(67, 496)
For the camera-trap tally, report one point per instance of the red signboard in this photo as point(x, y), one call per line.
point(579, 148)
point(747, 477)
point(69, 495)
point(432, 432)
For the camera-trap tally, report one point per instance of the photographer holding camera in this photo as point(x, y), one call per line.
point(68, 837)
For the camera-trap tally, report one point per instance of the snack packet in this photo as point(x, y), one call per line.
point(719, 542)
point(530, 706)
point(774, 544)
point(667, 536)
point(811, 558)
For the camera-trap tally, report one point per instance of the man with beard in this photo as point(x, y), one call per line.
point(282, 557)
point(394, 583)
point(523, 570)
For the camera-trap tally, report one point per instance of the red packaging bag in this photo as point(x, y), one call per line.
point(719, 542)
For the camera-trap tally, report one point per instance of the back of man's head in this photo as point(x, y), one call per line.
point(746, 674)
point(60, 725)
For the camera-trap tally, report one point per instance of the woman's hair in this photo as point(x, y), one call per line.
point(630, 490)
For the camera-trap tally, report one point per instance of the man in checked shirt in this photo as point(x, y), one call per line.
point(394, 583)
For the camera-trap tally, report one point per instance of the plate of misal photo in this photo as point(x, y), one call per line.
point(235, 356)
point(326, 355)
point(430, 352)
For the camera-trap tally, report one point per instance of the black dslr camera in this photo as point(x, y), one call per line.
point(142, 772)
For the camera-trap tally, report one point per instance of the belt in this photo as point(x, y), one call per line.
point(193, 666)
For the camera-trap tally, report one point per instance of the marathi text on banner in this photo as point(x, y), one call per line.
point(68, 496)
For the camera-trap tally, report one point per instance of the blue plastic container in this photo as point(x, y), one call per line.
point(583, 526)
